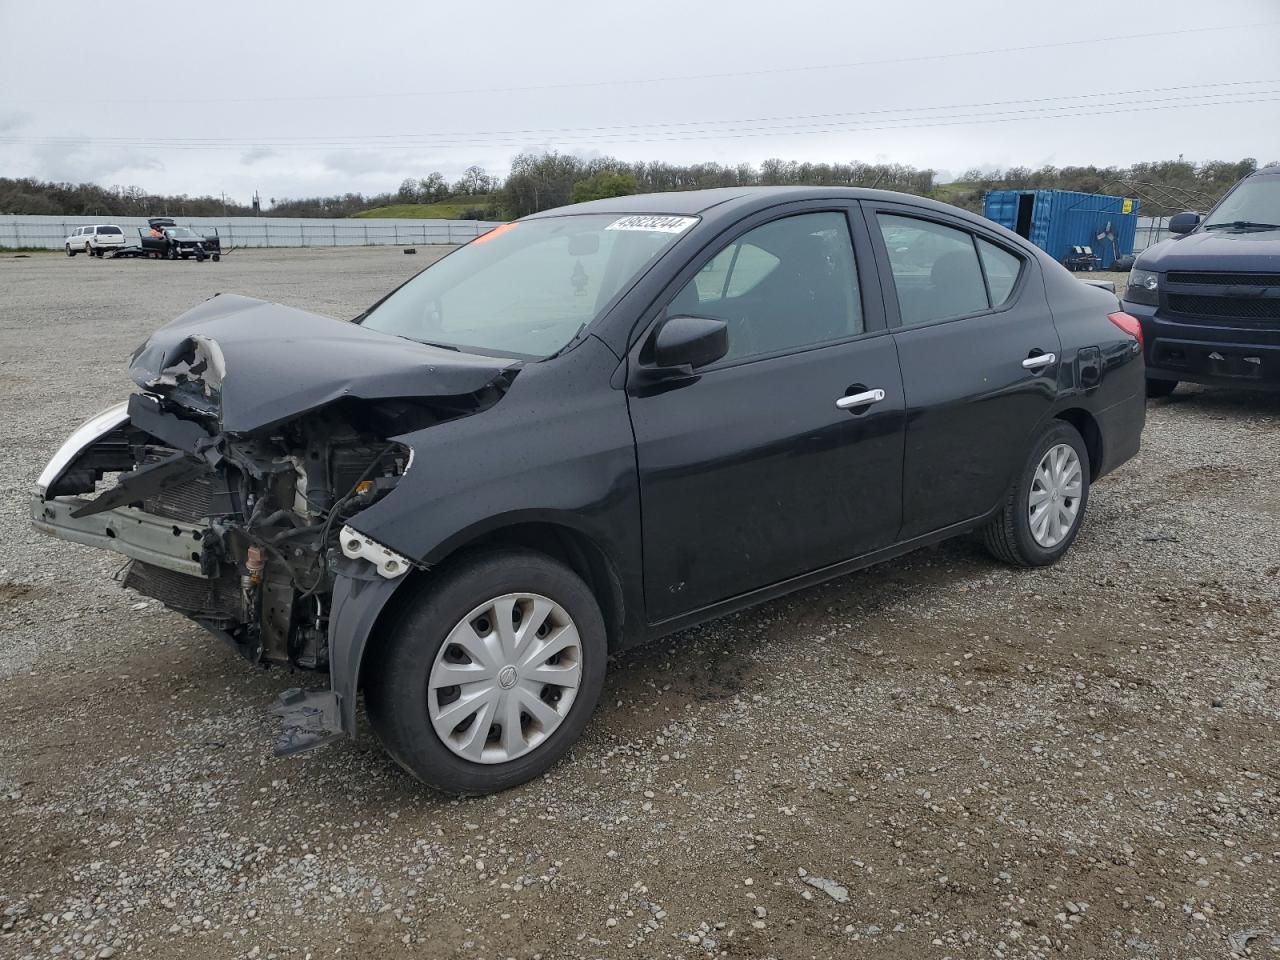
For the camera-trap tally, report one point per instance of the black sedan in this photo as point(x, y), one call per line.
point(590, 428)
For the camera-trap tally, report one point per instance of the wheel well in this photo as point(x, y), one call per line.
point(1087, 427)
point(574, 549)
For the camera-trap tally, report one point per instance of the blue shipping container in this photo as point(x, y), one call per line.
point(1058, 220)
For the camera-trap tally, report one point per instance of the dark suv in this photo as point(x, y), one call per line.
point(1209, 301)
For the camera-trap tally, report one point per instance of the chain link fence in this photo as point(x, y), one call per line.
point(50, 233)
point(1151, 230)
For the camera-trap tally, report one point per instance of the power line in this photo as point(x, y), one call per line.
point(721, 135)
point(597, 131)
point(678, 78)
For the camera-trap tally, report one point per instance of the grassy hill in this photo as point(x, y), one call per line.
point(447, 210)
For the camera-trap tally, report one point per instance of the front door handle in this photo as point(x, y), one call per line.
point(1039, 361)
point(860, 399)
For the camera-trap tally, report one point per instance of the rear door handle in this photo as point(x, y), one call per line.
point(1039, 361)
point(860, 399)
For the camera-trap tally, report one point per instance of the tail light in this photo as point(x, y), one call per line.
point(1129, 324)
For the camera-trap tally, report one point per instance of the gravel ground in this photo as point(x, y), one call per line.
point(938, 757)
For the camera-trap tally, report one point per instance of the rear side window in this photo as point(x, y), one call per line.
point(935, 270)
point(1002, 269)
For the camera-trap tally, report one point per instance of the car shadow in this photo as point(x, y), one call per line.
point(1223, 400)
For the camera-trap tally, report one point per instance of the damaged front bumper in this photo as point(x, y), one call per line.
point(239, 536)
point(159, 541)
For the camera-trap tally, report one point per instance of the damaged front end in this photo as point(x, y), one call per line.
point(232, 531)
point(234, 480)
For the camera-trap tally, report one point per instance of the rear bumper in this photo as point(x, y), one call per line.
point(1211, 352)
point(1121, 428)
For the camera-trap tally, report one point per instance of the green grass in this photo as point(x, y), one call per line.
point(448, 210)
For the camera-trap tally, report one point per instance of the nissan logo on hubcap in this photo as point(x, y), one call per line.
point(507, 677)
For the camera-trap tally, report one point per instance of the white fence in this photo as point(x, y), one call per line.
point(50, 232)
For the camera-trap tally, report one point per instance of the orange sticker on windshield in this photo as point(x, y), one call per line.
point(496, 231)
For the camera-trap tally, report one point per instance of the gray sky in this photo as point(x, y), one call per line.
point(300, 98)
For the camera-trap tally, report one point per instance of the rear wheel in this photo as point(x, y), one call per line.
point(1161, 388)
point(1045, 506)
point(490, 676)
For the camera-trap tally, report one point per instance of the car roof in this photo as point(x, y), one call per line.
point(732, 202)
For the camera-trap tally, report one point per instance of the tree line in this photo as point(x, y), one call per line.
point(541, 181)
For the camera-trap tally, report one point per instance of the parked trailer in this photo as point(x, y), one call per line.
point(1059, 221)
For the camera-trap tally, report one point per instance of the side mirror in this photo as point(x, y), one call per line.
point(690, 342)
point(1184, 222)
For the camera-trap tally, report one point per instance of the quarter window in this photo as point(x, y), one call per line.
point(935, 270)
point(1002, 269)
point(787, 285)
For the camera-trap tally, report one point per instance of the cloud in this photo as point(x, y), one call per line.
point(254, 154)
point(11, 120)
point(363, 161)
point(73, 161)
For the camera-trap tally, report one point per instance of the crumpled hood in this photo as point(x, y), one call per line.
point(265, 363)
point(1235, 251)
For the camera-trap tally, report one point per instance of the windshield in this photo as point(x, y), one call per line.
point(1256, 200)
point(527, 288)
point(181, 233)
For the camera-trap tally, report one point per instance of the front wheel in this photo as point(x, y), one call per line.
point(70, 252)
point(491, 675)
point(1043, 510)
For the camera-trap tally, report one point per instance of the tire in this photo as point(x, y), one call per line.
point(172, 253)
point(398, 682)
point(70, 252)
point(1010, 536)
point(1160, 388)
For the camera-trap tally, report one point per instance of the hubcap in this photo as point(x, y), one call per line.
point(1053, 505)
point(505, 678)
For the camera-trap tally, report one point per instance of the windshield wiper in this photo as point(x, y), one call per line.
point(1242, 225)
point(428, 343)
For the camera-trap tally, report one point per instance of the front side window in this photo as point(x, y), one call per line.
point(787, 285)
point(526, 288)
point(935, 270)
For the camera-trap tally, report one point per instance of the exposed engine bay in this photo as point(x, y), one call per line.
point(254, 519)
point(242, 528)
